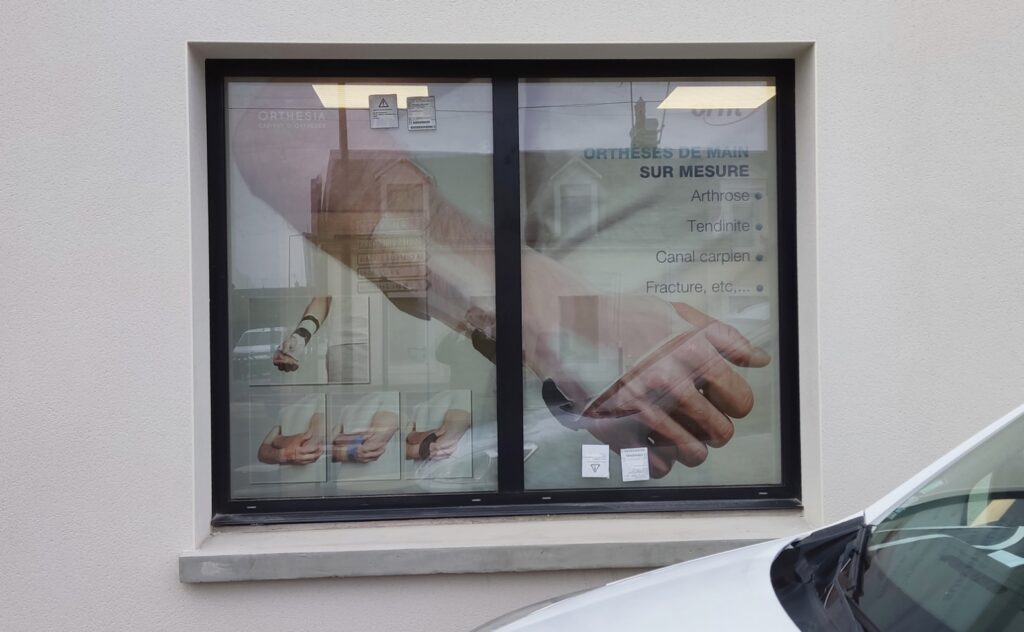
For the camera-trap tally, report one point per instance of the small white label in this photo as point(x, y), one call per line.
point(634, 465)
point(1008, 559)
point(383, 111)
point(421, 113)
point(595, 461)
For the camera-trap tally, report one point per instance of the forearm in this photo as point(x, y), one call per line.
point(431, 260)
point(313, 317)
point(384, 423)
point(318, 308)
point(456, 423)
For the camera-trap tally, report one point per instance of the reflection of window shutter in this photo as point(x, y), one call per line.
point(404, 198)
point(577, 210)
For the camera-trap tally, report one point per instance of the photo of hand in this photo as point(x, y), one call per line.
point(677, 399)
point(604, 350)
point(287, 438)
point(363, 436)
point(296, 449)
point(364, 446)
point(438, 434)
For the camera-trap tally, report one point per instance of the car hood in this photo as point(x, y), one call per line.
point(727, 591)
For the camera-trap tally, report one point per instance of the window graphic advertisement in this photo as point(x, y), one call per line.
point(438, 288)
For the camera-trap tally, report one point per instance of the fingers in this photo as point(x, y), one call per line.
point(299, 449)
point(365, 454)
point(273, 435)
point(733, 345)
point(725, 388)
point(440, 450)
point(660, 458)
point(690, 450)
point(285, 362)
point(305, 459)
point(699, 363)
point(688, 407)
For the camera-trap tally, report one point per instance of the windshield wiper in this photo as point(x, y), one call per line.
point(859, 562)
point(849, 577)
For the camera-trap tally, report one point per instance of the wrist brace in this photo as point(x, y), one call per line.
point(308, 326)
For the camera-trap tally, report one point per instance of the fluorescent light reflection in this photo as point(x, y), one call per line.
point(717, 97)
point(354, 96)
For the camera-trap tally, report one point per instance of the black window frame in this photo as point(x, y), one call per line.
point(511, 498)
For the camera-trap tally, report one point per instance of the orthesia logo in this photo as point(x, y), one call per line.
point(313, 119)
point(726, 116)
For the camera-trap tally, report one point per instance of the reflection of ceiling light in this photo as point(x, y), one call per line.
point(356, 96)
point(717, 97)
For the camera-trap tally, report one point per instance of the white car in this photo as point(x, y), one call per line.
point(944, 551)
point(253, 353)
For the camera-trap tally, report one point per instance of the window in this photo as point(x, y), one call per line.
point(471, 288)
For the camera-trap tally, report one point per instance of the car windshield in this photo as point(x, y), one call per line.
point(951, 557)
point(255, 338)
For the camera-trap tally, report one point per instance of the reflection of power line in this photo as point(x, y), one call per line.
point(305, 109)
point(521, 107)
point(574, 105)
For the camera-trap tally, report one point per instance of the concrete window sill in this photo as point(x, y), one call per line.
point(535, 543)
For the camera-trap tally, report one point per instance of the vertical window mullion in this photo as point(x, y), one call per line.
point(216, 125)
point(508, 284)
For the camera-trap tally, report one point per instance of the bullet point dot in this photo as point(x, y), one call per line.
point(760, 288)
point(757, 196)
point(759, 226)
point(759, 257)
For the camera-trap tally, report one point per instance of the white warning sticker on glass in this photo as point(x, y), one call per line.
point(421, 113)
point(383, 111)
point(595, 461)
point(634, 465)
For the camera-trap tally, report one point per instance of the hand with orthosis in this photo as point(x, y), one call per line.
point(440, 443)
point(364, 446)
point(301, 448)
point(286, 356)
point(677, 390)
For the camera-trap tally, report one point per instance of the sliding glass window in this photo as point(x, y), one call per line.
point(463, 288)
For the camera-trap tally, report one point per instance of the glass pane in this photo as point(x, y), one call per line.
point(360, 217)
point(650, 270)
point(952, 556)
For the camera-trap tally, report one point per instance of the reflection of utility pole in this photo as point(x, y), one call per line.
point(342, 133)
point(645, 130)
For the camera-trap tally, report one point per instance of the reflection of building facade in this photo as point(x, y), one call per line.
point(357, 187)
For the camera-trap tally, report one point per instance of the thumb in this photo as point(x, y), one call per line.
point(729, 342)
point(273, 435)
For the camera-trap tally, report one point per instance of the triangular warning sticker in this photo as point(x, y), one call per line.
point(383, 103)
point(594, 466)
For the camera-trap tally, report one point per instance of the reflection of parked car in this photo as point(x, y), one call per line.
point(253, 353)
point(943, 551)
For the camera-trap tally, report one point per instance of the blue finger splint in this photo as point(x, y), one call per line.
point(354, 447)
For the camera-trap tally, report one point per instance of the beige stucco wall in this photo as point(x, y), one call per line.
point(911, 271)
